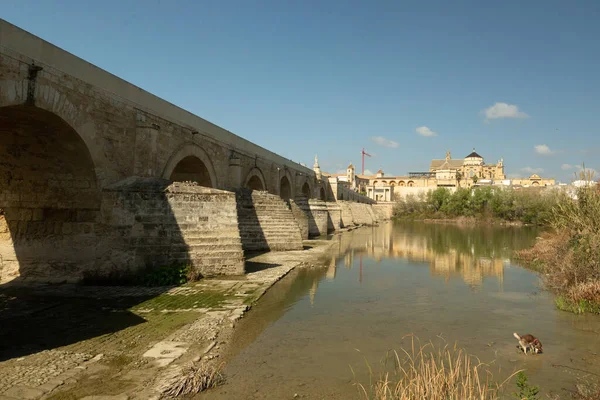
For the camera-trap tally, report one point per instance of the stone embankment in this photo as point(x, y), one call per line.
point(133, 342)
point(126, 342)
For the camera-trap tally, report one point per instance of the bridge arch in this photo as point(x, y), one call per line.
point(50, 196)
point(255, 180)
point(286, 191)
point(306, 190)
point(57, 101)
point(191, 163)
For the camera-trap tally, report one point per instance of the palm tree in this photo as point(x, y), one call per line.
point(458, 177)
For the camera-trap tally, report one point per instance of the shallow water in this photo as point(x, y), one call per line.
point(316, 326)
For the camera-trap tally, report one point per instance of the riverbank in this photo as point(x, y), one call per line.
point(474, 221)
point(568, 256)
point(71, 342)
point(481, 204)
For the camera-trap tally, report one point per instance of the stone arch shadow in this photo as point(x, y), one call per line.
point(50, 198)
point(286, 186)
point(53, 229)
point(191, 163)
point(255, 180)
point(251, 233)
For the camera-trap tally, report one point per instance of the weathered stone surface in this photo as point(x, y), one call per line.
point(383, 210)
point(24, 392)
point(153, 222)
point(319, 216)
point(361, 214)
point(334, 218)
point(266, 222)
point(346, 214)
point(300, 216)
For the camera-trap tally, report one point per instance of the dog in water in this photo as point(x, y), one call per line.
point(529, 342)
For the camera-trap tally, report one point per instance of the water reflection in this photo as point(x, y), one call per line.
point(382, 283)
point(471, 253)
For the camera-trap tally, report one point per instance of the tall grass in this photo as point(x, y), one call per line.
point(433, 372)
point(569, 256)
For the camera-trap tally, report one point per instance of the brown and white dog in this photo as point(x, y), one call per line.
point(529, 342)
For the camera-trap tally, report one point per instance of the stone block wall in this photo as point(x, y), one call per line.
point(266, 223)
point(374, 217)
point(301, 217)
point(334, 219)
point(319, 216)
point(361, 214)
point(383, 211)
point(347, 219)
point(149, 222)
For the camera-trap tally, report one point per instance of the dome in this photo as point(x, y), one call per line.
point(474, 155)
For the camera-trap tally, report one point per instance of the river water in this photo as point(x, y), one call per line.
point(316, 326)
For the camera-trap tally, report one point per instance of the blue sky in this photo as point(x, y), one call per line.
point(331, 77)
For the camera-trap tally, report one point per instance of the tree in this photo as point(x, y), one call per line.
point(459, 177)
point(475, 179)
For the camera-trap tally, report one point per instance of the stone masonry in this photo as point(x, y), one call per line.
point(266, 222)
point(150, 222)
point(334, 216)
point(318, 223)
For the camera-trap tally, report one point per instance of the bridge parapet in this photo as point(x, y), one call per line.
point(129, 131)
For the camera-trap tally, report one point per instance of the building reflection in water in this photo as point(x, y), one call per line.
point(469, 252)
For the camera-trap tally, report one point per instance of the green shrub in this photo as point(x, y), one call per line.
point(531, 206)
point(526, 392)
point(165, 276)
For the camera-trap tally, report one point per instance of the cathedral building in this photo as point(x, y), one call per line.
point(448, 172)
point(466, 171)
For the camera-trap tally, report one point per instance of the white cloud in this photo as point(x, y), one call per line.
point(566, 167)
point(530, 170)
point(543, 150)
point(425, 131)
point(514, 176)
point(380, 140)
point(503, 110)
point(368, 172)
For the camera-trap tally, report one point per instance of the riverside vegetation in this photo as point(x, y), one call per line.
point(529, 206)
point(567, 254)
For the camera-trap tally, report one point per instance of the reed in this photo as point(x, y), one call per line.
point(432, 371)
point(194, 379)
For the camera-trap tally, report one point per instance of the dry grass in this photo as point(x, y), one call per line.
point(433, 372)
point(587, 391)
point(195, 378)
point(587, 291)
point(569, 256)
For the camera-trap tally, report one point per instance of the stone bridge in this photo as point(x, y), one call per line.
point(87, 165)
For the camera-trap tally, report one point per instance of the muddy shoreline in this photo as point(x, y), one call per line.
point(166, 330)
